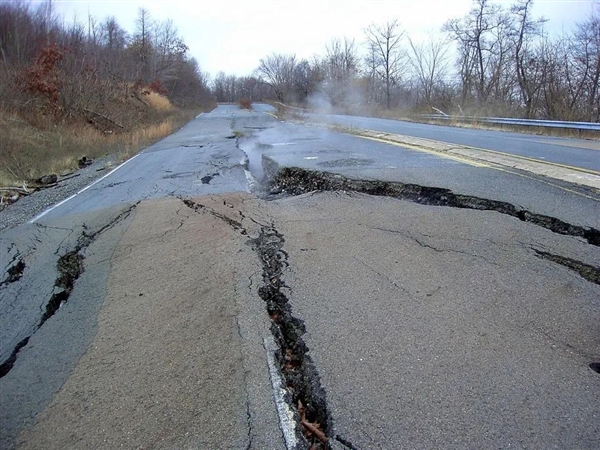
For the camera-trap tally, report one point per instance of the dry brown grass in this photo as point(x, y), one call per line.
point(159, 102)
point(28, 152)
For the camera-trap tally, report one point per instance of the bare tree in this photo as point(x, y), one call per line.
point(430, 66)
point(340, 69)
point(278, 72)
point(307, 79)
point(114, 38)
point(527, 67)
point(370, 64)
point(385, 43)
point(482, 43)
point(141, 45)
point(169, 52)
point(584, 75)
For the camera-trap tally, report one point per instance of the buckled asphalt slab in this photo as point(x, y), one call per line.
point(429, 327)
point(426, 326)
point(435, 327)
point(178, 358)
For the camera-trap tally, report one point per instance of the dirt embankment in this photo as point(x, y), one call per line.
point(39, 150)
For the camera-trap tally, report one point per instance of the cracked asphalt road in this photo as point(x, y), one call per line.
point(434, 327)
point(397, 324)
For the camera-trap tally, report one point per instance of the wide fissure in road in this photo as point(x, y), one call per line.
point(364, 296)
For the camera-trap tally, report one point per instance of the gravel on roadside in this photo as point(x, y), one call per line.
point(31, 205)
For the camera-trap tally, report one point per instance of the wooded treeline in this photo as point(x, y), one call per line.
point(496, 60)
point(95, 70)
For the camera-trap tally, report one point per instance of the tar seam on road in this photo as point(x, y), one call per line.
point(42, 214)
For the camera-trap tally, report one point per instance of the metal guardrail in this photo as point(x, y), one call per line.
point(591, 126)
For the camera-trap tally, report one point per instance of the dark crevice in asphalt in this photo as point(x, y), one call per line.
point(237, 226)
point(208, 178)
point(595, 367)
point(10, 361)
point(306, 396)
point(346, 443)
point(586, 271)
point(14, 272)
point(70, 267)
point(297, 181)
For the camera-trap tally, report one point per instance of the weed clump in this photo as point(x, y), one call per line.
point(245, 103)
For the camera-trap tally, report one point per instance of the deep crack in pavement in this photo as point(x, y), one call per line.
point(305, 395)
point(296, 181)
point(14, 272)
point(69, 266)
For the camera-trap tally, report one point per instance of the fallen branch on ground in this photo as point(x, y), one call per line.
point(16, 189)
point(104, 117)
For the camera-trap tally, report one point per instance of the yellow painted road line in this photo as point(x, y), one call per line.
point(490, 165)
point(540, 180)
point(458, 147)
point(424, 150)
point(540, 161)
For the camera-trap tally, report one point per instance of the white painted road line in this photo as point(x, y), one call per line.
point(286, 415)
point(39, 216)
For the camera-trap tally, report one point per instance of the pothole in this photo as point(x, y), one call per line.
point(208, 178)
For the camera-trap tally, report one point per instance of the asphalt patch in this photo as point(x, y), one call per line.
point(346, 162)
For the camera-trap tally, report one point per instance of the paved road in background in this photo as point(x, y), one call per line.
point(131, 314)
point(572, 152)
point(315, 148)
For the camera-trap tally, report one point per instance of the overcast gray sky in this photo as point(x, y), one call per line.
point(232, 35)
